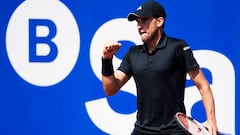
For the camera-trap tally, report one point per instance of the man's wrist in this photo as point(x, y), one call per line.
point(107, 67)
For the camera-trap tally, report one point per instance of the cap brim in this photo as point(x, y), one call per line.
point(132, 16)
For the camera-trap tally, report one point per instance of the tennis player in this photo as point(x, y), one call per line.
point(159, 67)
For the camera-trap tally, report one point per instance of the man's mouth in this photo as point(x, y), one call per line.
point(142, 32)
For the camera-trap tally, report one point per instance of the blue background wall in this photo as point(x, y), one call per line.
point(60, 108)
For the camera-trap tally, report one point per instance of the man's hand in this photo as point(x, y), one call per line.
point(212, 128)
point(110, 48)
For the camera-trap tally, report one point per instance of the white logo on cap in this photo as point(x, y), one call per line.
point(139, 8)
point(186, 48)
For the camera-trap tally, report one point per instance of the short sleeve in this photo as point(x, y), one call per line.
point(188, 59)
point(125, 65)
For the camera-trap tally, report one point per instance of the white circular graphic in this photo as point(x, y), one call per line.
point(53, 30)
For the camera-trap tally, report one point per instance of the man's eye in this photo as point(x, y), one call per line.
point(145, 19)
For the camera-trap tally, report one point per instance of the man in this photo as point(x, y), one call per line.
point(159, 68)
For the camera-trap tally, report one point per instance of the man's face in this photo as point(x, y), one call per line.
point(147, 28)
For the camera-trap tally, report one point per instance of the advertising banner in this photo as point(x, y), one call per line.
point(50, 63)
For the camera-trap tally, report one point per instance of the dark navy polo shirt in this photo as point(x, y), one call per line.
point(160, 80)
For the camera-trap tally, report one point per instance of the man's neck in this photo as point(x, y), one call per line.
point(154, 42)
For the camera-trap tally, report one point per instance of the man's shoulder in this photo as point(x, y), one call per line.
point(175, 41)
point(137, 47)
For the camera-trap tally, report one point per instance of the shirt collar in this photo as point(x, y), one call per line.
point(161, 44)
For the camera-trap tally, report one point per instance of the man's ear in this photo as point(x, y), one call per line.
point(160, 21)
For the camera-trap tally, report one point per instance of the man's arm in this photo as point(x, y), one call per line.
point(112, 80)
point(207, 96)
point(111, 84)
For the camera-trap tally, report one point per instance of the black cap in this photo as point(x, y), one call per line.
point(148, 9)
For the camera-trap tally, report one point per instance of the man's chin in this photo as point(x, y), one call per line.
point(143, 37)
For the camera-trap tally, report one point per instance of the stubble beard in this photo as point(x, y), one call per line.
point(150, 38)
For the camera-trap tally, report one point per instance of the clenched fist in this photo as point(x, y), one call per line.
point(110, 48)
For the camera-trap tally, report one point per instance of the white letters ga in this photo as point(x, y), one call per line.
point(221, 68)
